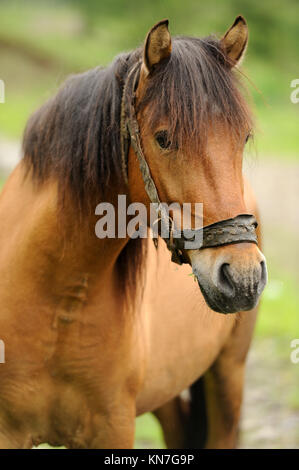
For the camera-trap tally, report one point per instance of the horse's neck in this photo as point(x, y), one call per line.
point(66, 253)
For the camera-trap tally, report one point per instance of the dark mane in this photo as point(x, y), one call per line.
point(75, 136)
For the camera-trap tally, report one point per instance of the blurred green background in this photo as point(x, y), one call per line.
point(49, 39)
point(41, 42)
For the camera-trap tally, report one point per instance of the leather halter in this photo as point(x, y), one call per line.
point(240, 229)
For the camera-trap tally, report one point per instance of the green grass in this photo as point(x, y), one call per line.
point(276, 116)
point(277, 133)
point(279, 313)
point(148, 433)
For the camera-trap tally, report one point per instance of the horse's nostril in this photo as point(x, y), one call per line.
point(225, 282)
point(264, 276)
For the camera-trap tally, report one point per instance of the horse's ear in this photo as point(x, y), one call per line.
point(235, 40)
point(157, 46)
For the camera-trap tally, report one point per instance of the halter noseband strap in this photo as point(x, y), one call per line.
point(239, 229)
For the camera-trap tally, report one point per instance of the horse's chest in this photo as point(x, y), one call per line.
point(65, 377)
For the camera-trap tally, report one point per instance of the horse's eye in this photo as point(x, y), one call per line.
point(248, 137)
point(163, 140)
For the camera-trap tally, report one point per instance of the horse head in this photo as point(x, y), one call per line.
point(194, 124)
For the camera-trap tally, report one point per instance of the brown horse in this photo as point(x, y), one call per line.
point(98, 331)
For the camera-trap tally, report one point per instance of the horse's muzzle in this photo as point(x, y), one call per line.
point(230, 286)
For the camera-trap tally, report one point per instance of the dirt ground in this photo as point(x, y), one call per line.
point(270, 412)
point(271, 403)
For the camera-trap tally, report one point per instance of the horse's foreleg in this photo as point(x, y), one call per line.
point(114, 429)
point(14, 441)
point(224, 386)
point(115, 434)
point(223, 389)
point(173, 419)
point(211, 419)
point(7, 443)
point(183, 421)
point(214, 409)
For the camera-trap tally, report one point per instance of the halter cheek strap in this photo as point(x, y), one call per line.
point(240, 229)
